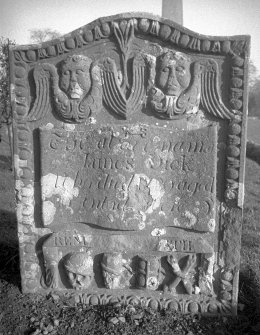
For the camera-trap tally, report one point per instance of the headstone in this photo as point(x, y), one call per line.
point(129, 138)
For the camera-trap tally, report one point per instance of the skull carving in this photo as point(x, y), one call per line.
point(79, 268)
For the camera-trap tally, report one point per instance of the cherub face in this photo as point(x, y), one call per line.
point(173, 73)
point(75, 76)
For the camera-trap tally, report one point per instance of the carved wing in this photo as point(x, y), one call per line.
point(113, 96)
point(93, 100)
point(189, 100)
point(210, 96)
point(137, 96)
point(43, 74)
point(203, 90)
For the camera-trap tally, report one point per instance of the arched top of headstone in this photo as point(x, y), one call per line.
point(146, 26)
point(127, 56)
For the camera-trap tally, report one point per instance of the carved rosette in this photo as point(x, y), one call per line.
point(148, 273)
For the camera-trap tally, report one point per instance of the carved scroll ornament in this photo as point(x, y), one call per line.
point(76, 91)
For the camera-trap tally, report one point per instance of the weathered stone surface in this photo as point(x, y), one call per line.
point(129, 177)
point(129, 139)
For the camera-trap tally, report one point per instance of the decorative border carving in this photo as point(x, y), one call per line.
point(227, 277)
point(203, 305)
point(145, 24)
point(23, 58)
point(24, 175)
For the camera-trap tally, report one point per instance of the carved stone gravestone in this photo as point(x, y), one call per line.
point(129, 137)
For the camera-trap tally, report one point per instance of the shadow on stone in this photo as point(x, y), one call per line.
point(8, 228)
point(9, 264)
point(8, 219)
point(249, 293)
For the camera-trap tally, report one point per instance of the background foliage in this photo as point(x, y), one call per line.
point(43, 35)
point(4, 81)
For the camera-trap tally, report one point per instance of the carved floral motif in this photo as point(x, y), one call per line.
point(189, 305)
point(119, 96)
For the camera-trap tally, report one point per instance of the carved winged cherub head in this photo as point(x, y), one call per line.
point(75, 76)
point(179, 86)
point(76, 89)
point(173, 73)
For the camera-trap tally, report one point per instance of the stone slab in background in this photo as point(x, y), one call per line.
point(129, 138)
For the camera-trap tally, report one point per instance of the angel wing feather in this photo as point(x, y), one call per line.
point(42, 74)
point(138, 88)
point(113, 95)
point(210, 96)
point(190, 98)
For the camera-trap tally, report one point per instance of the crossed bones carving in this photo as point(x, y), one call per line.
point(181, 275)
